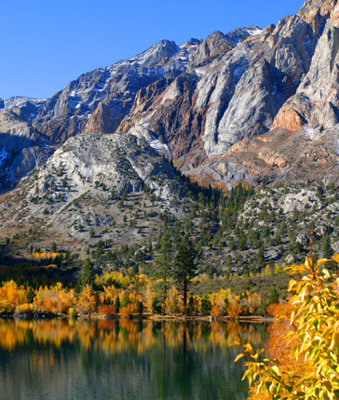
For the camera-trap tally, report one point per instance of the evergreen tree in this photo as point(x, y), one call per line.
point(184, 265)
point(87, 273)
point(162, 262)
point(326, 247)
point(125, 300)
point(30, 295)
point(117, 305)
point(273, 297)
point(260, 257)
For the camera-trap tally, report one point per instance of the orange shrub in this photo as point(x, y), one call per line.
point(106, 309)
point(128, 310)
point(86, 301)
point(11, 295)
point(55, 299)
point(234, 309)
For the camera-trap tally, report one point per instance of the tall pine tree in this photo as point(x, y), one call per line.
point(162, 263)
point(184, 265)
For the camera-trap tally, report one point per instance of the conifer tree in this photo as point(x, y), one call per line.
point(87, 273)
point(184, 265)
point(162, 262)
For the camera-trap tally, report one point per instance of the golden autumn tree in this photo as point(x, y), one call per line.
point(11, 295)
point(308, 367)
point(86, 302)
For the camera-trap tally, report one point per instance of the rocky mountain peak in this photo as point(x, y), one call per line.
point(335, 15)
point(213, 46)
point(156, 53)
point(311, 8)
point(201, 99)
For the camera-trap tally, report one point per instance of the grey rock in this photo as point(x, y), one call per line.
point(21, 149)
point(24, 107)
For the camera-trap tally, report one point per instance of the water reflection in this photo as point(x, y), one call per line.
point(125, 359)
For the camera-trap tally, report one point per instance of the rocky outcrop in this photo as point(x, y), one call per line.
point(289, 119)
point(100, 99)
point(269, 80)
point(278, 156)
point(24, 107)
point(21, 149)
point(316, 101)
point(312, 8)
point(195, 102)
point(89, 184)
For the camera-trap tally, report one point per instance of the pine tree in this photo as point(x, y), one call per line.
point(117, 304)
point(184, 265)
point(274, 296)
point(326, 247)
point(87, 273)
point(162, 262)
point(30, 295)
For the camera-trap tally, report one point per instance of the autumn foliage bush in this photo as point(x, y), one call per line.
point(303, 350)
point(11, 295)
point(124, 295)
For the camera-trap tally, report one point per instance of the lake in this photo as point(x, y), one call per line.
point(122, 359)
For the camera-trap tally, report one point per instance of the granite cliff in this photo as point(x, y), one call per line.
point(247, 105)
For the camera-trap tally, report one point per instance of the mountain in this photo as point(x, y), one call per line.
point(101, 99)
point(21, 149)
point(281, 81)
point(87, 189)
point(104, 157)
point(230, 107)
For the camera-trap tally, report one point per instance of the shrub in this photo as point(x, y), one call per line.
point(306, 364)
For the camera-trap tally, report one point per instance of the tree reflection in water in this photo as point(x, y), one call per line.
point(122, 359)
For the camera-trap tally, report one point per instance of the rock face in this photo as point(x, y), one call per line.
point(278, 156)
point(200, 100)
point(24, 107)
point(316, 100)
point(89, 184)
point(101, 98)
point(21, 149)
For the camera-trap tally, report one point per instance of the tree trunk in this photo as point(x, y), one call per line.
point(185, 293)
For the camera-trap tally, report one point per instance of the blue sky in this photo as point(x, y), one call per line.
point(46, 44)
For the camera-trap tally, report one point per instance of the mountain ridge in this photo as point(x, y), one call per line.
point(205, 98)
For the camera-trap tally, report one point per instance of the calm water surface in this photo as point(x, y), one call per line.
point(122, 360)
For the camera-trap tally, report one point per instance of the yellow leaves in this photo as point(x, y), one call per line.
point(305, 358)
point(267, 270)
point(295, 269)
point(46, 255)
point(239, 356)
point(309, 263)
point(86, 301)
point(248, 348)
point(322, 261)
point(291, 284)
point(11, 295)
point(335, 341)
point(55, 299)
point(335, 257)
point(275, 369)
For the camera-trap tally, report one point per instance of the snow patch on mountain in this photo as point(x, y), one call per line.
point(254, 32)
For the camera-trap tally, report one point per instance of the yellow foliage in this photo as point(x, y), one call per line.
point(234, 309)
point(304, 343)
point(128, 310)
point(11, 295)
point(45, 255)
point(86, 302)
point(54, 300)
point(25, 308)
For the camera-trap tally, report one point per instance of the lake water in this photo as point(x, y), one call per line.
point(122, 360)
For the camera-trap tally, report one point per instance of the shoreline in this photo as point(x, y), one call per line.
point(148, 317)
